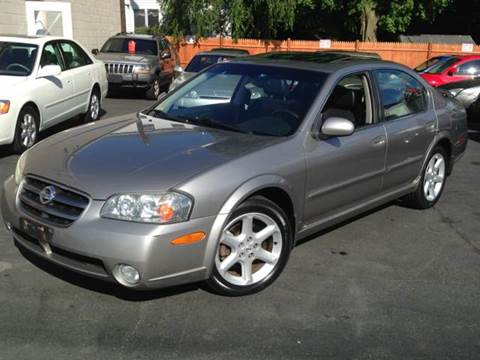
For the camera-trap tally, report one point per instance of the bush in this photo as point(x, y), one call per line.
point(151, 30)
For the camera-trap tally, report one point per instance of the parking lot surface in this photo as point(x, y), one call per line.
point(395, 283)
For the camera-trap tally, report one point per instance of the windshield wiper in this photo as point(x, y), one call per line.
point(211, 123)
point(162, 114)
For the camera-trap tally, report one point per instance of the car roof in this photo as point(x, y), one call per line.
point(37, 40)
point(467, 57)
point(316, 61)
point(136, 36)
point(223, 53)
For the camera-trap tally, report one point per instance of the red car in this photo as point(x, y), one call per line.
point(457, 68)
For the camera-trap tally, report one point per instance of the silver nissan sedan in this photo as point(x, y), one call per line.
point(220, 178)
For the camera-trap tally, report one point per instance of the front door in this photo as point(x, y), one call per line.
point(54, 93)
point(343, 172)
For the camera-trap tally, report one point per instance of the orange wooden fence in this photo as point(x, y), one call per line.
point(404, 53)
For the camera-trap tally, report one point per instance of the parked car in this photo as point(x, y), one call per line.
point(201, 61)
point(457, 68)
point(468, 93)
point(44, 81)
point(144, 62)
point(430, 63)
point(191, 190)
point(361, 54)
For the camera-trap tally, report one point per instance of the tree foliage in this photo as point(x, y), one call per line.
point(273, 18)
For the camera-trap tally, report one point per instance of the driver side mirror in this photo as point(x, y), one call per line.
point(49, 71)
point(335, 126)
point(452, 72)
point(166, 54)
point(177, 71)
point(95, 51)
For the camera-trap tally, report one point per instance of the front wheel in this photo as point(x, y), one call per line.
point(432, 181)
point(253, 249)
point(26, 132)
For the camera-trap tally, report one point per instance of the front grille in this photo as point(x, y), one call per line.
point(63, 210)
point(119, 68)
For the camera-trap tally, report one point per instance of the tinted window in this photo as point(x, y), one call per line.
point(401, 94)
point(262, 100)
point(17, 59)
point(200, 62)
point(441, 66)
point(51, 56)
point(469, 68)
point(132, 46)
point(429, 63)
point(73, 55)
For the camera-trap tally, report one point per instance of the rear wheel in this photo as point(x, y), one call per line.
point(432, 182)
point(26, 132)
point(253, 249)
point(94, 106)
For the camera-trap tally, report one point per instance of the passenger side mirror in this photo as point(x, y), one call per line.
point(166, 54)
point(95, 51)
point(452, 72)
point(337, 126)
point(49, 71)
point(177, 71)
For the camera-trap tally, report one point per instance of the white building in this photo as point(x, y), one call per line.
point(141, 13)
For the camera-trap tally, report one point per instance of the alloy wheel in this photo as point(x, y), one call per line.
point(249, 249)
point(434, 177)
point(28, 134)
point(94, 107)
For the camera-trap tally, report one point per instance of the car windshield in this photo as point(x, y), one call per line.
point(441, 66)
point(425, 65)
point(200, 62)
point(252, 99)
point(17, 59)
point(130, 46)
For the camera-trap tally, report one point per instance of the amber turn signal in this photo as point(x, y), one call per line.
point(189, 239)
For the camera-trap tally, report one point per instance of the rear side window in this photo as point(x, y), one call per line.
point(401, 94)
point(469, 68)
point(73, 55)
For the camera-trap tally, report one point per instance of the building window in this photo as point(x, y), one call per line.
point(139, 19)
point(153, 18)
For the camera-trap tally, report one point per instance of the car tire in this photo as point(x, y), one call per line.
point(27, 129)
point(246, 260)
point(155, 90)
point(94, 107)
point(432, 182)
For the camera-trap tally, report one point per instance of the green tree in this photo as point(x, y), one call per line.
point(365, 17)
point(240, 18)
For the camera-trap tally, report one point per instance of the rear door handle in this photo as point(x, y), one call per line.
point(379, 141)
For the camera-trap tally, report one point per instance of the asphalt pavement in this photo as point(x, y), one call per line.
point(395, 283)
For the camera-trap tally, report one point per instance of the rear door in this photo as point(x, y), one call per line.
point(80, 67)
point(410, 123)
point(344, 172)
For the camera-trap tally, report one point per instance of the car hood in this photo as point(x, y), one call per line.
point(130, 155)
point(433, 79)
point(106, 57)
point(8, 82)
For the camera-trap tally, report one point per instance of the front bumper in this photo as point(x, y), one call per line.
point(131, 80)
point(94, 246)
point(8, 122)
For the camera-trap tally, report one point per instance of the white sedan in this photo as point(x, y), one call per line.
point(44, 81)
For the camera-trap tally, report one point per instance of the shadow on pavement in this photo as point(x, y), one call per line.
point(104, 287)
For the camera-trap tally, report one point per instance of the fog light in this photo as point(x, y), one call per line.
point(127, 275)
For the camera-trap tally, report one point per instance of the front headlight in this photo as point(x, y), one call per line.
point(4, 106)
point(142, 68)
point(455, 92)
point(20, 168)
point(163, 208)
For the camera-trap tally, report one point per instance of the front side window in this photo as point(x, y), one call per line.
point(471, 68)
point(441, 66)
point(254, 99)
point(73, 55)
point(17, 59)
point(51, 56)
point(401, 94)
point(350, 100)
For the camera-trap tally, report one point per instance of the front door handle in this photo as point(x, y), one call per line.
point(379, 141)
